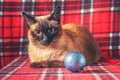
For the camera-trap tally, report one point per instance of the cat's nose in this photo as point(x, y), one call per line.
point(37, 31)
point(40, 34)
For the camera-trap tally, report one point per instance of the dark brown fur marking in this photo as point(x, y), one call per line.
point(47, 64)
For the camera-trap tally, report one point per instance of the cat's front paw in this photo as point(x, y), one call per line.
point(35, 65)
point(38, 65)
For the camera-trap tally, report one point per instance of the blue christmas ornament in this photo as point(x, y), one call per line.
point(75, 61)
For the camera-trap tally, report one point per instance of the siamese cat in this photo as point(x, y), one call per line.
point(50, 41)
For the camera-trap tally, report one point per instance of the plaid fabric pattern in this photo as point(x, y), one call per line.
point(101, 17)
point(19, 69)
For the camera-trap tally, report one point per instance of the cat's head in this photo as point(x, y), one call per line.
point(44, 29)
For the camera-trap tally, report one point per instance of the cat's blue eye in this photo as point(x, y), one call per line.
point(37, 31)
point(51, 30)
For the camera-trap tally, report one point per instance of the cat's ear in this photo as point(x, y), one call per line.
point(30, 19)
point(56, 14)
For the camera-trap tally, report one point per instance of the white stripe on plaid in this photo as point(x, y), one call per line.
point(23, 1)
point(53, 0)
point(109, 73)
point(112, 8)
point(1, 54)
point(95, 75)
point(9, 64)
point(32, 6)
point(1, 0)
point(53, 4)
point(91, 14)
point(1, 40)
point(14, 70)
point(82, 11)
point(21, 41)
point(111, 36)
point(1, 11)
point(111, 24)
point(110, 46)
point(62, 10)
point(33, 11)
point(112, 5)
point(43, 74)
point(115, 8)
point(23, 5)
point(20, 53)
point(60, 74)
point(22, 31)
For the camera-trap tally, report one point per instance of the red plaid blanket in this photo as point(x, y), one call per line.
point(101, 17)
point(19, 69)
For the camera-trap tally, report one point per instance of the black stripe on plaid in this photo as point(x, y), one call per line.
point(16, 46)
point(2, 64)
point(114, 45)
point(10, 71)
point(31, 6)
point(20, 64)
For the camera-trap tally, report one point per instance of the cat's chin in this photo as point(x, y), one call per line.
point(44, 43)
